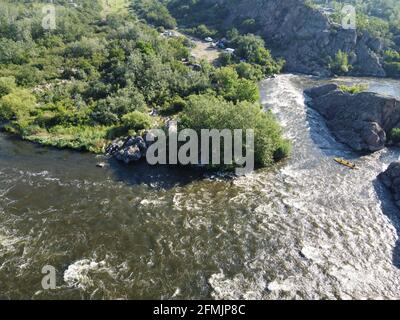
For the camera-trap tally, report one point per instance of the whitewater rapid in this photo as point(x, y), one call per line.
point(329, 233)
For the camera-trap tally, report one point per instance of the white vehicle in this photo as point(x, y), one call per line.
point(230, 50)
point(208, 39)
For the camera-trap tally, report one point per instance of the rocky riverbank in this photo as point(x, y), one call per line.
point(363, 121)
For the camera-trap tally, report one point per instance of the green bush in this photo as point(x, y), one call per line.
point(210, 112)
point(154, 12)
point(225, 59)
point(7, 85)
point(201, 31)
point(355, 89)
point(110, 110)
point(252, 49)
point(176, 105)
point(228, 84)
point(249, 71)
point(16, 105)
point(246, 90)
point(394, 135)
point(392, 63)
point(137, 121)
point(340, 63)
point(249, 26)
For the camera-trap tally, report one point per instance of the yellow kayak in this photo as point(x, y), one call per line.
point(345, 163)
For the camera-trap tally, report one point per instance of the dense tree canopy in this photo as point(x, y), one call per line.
point(101, 74)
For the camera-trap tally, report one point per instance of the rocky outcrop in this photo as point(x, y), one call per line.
point(391, 179)
point(304, 36)
point(128, 149)
point(362, 121)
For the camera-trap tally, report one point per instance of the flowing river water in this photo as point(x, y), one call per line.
point(308, 228)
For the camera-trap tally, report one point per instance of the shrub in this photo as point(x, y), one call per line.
point(16, 105)
point(109, 111)
point(249, 71)
point(137, 121)
point(353, 89)
point(249, 26)
point(177, 104)
point(154, 12)
point(210, 112)
point(246, 90)
point(225, 59)
point(394, 135)
point(202, 31)
point(228, 84)
point(29, 76)
point(7, 85)
point(340, 63)
point(392, 63)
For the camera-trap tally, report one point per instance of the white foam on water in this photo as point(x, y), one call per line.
point(331, 237)
point(79, 274)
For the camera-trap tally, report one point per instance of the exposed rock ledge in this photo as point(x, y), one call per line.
point(362, 121)
point(128, 149)
point(391, 179)
point(305, 36)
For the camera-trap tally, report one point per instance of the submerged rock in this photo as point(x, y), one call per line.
point(391, 179)
point(101, 165)
point(362, 121)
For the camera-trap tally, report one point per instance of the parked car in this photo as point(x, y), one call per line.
point(208, 39)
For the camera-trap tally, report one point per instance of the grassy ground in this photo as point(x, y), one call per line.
point(113, 6)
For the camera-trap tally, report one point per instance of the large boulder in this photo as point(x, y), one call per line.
point(128, 149)
point(362, 121)
point(320, 91)
point(391, 179)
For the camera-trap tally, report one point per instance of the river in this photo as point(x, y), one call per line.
point(307, 229)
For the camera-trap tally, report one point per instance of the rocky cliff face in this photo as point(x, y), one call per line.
point(391, 179)
point(305, 37)
point(361, 121)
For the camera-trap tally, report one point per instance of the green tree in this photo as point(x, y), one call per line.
point(7, 85)
point(340, 63)
point(17, 105)
point(209, 112)
point(137, 121)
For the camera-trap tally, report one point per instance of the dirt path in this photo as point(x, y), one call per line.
point(202, 50)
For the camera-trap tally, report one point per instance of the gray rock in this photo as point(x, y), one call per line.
point(361, 121)
point(129, 154)
point(391, 179)
point(320, 91)
point(304, 36)
point(129, 149)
